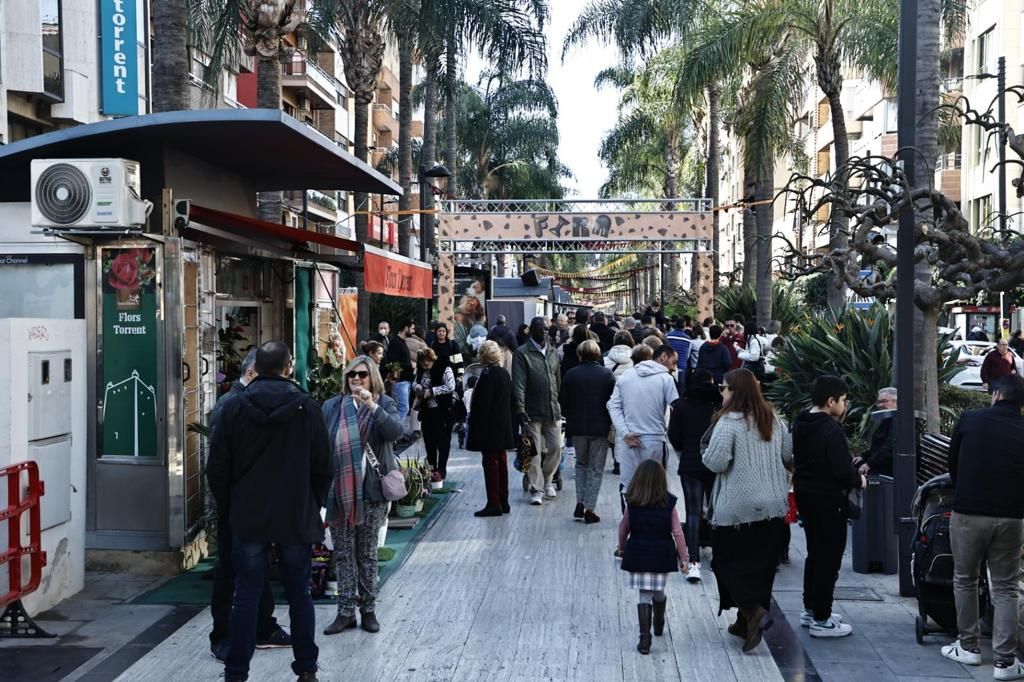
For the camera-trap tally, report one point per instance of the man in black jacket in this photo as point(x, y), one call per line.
point(584, 395)
point(269, 635)
point(987, 468)
point(398, 352)
point(605, 334)
point(270, 465)
point(878, 459)
point(714, 356)
point(502, 334)
point(823, 475)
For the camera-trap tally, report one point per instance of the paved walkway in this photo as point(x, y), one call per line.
point(530, 596)
point(537, 596)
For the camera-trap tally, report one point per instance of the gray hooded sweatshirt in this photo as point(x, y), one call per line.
point(641, 398)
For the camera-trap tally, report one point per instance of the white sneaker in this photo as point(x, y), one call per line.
point(693, 574)
point(807, 617)
point(536, 499)
point(570, 452)
point(1014, 671)
point(549, 491)
point(957, 653)
point(830, 628)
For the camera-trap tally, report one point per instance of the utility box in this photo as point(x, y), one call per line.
point(43, 408)
point(875, 543)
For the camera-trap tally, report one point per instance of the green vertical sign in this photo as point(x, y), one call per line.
point(128, 385)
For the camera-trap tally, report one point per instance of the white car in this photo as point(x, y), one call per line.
point(972, 355)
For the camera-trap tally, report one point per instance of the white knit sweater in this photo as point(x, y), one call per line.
point(752, 482)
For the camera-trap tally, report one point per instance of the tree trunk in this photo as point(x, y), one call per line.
point(927, 151)
point(839, 224)
point(268, 96)
point(428, 155)
point(405, 66)
point(362, 205)
point(712, 183)
point(765, 215)
point(671, 192)
point(749, 230)
point(451, 110)
point(170, 57)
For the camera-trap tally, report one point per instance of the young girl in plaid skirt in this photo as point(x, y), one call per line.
point(652, 545)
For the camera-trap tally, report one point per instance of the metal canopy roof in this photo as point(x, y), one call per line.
point(268, 148)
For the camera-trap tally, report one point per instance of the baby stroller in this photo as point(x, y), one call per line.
point(932, 561)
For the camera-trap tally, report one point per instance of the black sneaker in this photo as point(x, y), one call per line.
point(615, 468)
point(307, 677)
point(219, 650)
point(278, 639)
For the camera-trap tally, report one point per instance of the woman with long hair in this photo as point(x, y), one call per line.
point(750, 451)
point(447, 351)
point(363, 424)
point(434, 389)
point(490, 427)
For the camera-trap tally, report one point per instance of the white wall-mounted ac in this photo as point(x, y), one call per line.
point(87, 193)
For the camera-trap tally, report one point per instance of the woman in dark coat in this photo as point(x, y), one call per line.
point(691, 418)
point(447, 351)
point(490, 427)
point(434, 389)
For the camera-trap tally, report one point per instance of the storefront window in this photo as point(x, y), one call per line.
point(240, 279)
point(37, 290)
point(53, 51)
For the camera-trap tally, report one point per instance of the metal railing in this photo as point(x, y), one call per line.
point(300, 65)
point(575, 205)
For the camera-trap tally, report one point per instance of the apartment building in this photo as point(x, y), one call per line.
point(994, 31)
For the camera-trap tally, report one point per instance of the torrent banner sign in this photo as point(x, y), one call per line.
point(119, 60)
point(393, 275)
point(128, 382)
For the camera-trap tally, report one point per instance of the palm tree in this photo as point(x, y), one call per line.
point(226, 28)
point(509, 33)
point(170, 56)
point(508, 140)
point(835, 32)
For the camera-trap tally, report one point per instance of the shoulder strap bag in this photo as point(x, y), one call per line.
point(392, 483)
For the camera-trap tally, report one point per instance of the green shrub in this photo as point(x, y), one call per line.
point(955, 401)
point(855, 345)
point(786, 306)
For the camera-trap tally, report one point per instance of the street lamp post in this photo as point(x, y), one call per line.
point(427, 219)
point(905, 461)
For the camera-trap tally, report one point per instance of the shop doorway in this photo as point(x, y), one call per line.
point(239, 328)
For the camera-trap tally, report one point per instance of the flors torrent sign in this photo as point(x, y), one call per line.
point(129, 378)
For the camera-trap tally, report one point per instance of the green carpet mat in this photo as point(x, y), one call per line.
point(194, 586)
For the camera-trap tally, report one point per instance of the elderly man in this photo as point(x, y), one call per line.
point(536, 380)
point(559, 332)
point(878, 459)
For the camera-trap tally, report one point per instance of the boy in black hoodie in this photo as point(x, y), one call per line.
point(823, 476)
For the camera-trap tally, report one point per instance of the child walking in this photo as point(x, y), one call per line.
point(652, 545)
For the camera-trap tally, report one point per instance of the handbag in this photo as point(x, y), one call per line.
point(757, 366)
point(392, 483)
point(525, 452)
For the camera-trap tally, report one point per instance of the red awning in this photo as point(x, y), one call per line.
point(233, 222)
point(394, 275)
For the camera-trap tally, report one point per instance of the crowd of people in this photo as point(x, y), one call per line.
point(637, 388)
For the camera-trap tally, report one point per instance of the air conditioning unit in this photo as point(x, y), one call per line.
point(87, 193)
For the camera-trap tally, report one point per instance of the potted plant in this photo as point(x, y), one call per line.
point(406, 507)
point(394, 371)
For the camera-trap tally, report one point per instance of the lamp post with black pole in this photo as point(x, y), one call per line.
point(905, 461)
point(427, 219)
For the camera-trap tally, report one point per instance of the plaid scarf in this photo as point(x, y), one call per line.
point(353, 430)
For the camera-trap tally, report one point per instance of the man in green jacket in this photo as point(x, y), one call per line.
point(536, 380)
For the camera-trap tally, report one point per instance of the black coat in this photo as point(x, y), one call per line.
point(986, 462)
point(445, 351)
point(650, 547)
point(605, 336)
point(270, 463)
point(879, 456)
point(715, 358)
point(502, 333)
point(490, 412)
point(584, 396)
point(822, 464)
point(691, 418)
point(398, 351)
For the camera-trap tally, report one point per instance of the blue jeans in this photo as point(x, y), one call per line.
point(400, 392)
point(251, 561)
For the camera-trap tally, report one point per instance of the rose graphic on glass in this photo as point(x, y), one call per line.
point(127, 273)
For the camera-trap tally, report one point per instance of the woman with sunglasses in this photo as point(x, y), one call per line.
point(750, 452)
point(363, 424)
point(434, 389)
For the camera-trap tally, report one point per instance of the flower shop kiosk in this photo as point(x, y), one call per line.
point(168, 307)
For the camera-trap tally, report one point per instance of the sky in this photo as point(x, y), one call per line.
point(585, 114)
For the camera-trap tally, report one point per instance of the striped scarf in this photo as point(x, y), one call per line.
point(353, 430)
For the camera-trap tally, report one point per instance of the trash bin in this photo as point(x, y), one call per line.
point(875, 542)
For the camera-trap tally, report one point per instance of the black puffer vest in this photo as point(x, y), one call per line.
point(650, 547)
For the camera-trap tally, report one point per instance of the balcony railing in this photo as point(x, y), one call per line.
point(300, 65)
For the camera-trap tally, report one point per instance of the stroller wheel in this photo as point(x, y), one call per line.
point(919, 630)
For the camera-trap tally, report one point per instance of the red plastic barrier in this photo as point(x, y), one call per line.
point(11, 515)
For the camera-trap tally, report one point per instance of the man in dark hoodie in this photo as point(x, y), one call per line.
point(269, 635)
point(270, 465)
point(987, 470)
point(714, 356)
point(605, 334)
point(823, 476)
